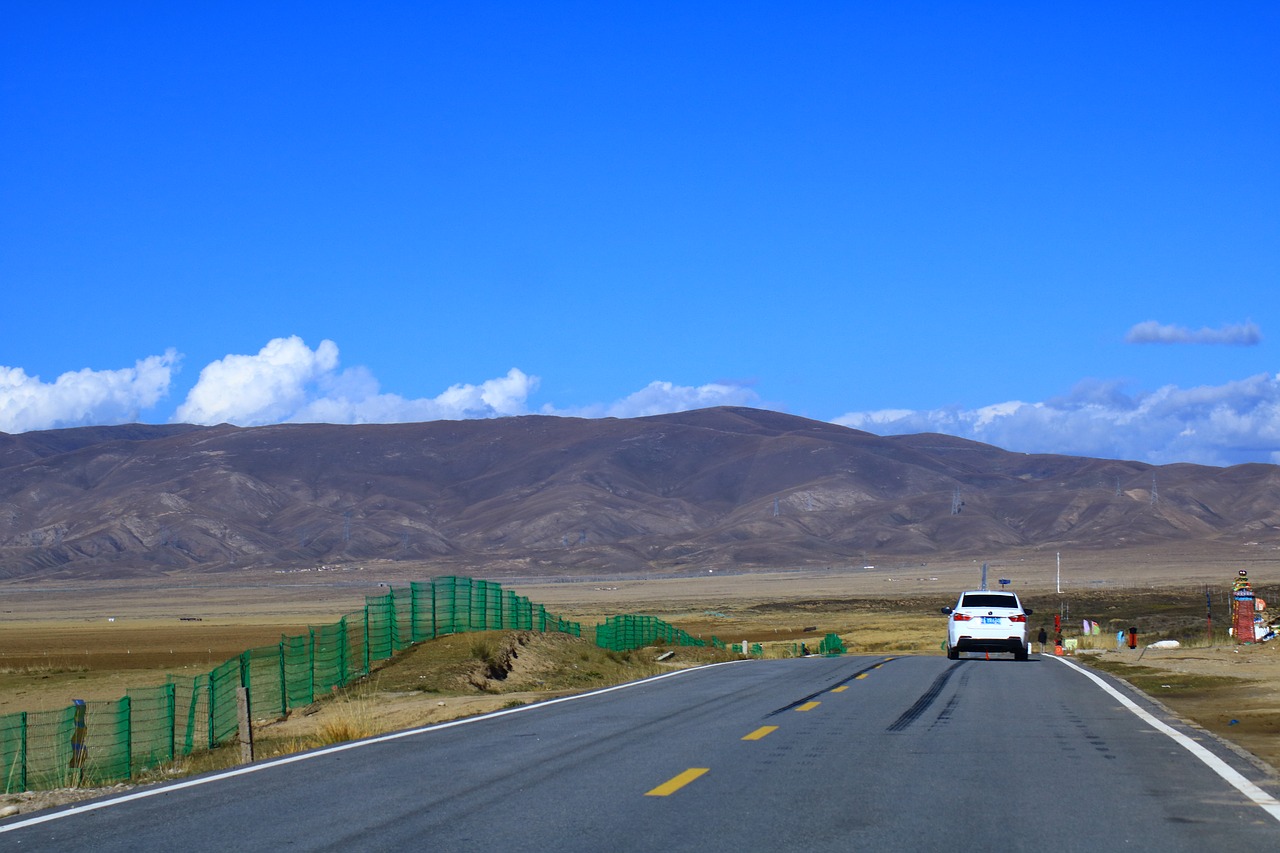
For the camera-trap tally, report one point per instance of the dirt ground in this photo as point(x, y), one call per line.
point(60, 641)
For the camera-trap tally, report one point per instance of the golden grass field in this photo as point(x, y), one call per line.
point(65, 641)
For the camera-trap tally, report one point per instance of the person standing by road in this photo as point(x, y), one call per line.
point(1043, 638)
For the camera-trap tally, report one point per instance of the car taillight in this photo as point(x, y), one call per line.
point(961, 617)
point(1021, 617)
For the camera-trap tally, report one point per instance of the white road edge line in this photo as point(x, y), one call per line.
point(342, 747)
point(1216, 764)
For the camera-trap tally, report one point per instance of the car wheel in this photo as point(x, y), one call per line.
point(953, 653)
point(1020, 653)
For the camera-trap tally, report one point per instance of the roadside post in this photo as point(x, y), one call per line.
point(79, 750)
point(246, 726)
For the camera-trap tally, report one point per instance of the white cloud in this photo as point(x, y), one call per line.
point(1212, 425)
point(352, 398)
point(660, 398)
point(258, 389)
point(289, 382)
point(83, 397)
point(1239, 334)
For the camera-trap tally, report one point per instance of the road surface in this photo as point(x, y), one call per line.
point(818, 754)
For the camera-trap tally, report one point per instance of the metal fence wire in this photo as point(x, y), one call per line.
point(100, 742)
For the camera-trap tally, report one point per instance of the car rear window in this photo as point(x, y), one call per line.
point(985, 599)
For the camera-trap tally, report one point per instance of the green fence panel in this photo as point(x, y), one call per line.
point(299, 686)
point(475, 605)
point(224, 707)
point(463, 618)
point(151, 726)
point(191, 713)
point(403, 605)
point(49, 740)
point(355, 663)
point(107, 751)
point(520, 613)
point(632, 631)
point(479, 606)
point(264, 676)
point(422, 604)
point(13, 751)
point(448, 619)
point(327, 651)
point(380, 622)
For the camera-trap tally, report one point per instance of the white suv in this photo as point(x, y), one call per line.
point(986, 621)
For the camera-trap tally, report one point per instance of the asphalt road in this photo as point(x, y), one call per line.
point(820, 754)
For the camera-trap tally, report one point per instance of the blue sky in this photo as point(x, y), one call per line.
point(1052, 227)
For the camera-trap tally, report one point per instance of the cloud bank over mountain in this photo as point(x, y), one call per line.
point(289, 382)
point(1212, 425)
point(83, 397)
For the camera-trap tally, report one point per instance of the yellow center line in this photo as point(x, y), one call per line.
point(761, 732)
point(861, 675)
point(676, 783)
point(808, 706)
point(842, 688)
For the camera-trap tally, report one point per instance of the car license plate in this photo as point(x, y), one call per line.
point(990, 620)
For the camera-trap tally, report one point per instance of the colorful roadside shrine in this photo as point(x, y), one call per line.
point(1242, 608)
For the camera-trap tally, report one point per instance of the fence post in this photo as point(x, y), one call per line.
point(344, 653)
point(171, 708)
point(128, 736)
point(208, 686)
point(312, 661)
point(78, 736)
point(284, 681)
point(24, 751)
point(246, 725)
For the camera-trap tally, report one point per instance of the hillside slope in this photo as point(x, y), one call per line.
point(716, 487)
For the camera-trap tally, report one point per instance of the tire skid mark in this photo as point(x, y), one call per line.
point(805, 699)
point(922, 704)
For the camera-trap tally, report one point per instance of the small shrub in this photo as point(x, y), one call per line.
point(482, 649)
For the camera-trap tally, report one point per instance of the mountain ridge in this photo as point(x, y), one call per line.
point(721, 487)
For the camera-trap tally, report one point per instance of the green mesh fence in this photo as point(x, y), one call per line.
point(380, 626)
point(299, 684)
point(264, 676)
point(831, 645)
point(106, 752)
point(224, 715)
point(13, 751)
point(632, 631)
point(191, 714)
point(48, 739)
point(151, 716)
point(93, 743)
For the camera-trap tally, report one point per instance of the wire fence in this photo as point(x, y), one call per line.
point(633, 631)
point(95, 742)
point(99, 742)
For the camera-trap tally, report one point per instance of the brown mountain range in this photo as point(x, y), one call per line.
point(725, 487)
